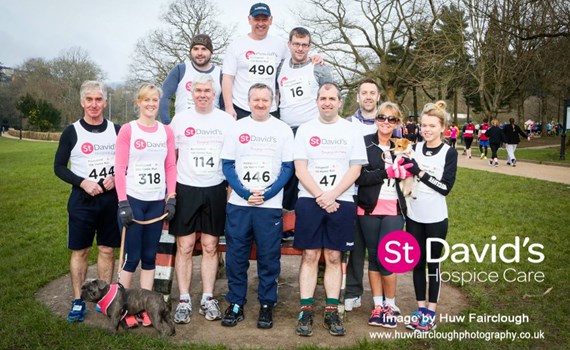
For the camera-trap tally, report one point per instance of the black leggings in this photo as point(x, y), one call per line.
point(421, 233)
point(494, 149)
point(468, 141)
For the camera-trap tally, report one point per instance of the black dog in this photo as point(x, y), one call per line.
point(120, 301)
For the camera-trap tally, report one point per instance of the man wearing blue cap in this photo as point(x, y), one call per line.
point(252, 58)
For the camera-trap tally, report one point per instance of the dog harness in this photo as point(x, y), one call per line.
point(104, 303)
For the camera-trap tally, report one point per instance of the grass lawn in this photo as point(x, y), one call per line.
point(33, 252)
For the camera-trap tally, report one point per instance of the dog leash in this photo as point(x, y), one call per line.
point(123, 261)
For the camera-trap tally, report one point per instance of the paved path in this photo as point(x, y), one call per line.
point(552, 173)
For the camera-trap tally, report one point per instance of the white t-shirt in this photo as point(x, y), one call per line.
point(365, 129)
point(329, 149)
point(199, 139)
point(146, 176)
point(298, 89)
point(253, 61)
point(93, 156)
point(258, 149)
point(184, 99)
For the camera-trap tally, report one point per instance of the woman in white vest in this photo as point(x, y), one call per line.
point(145, 164)
point(434, 166)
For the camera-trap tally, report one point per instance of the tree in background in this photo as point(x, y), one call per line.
point(58, 81)
point(162, 49)
point(369, 39)
point(42, 115)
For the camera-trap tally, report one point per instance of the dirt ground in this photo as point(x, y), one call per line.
point(57, 296)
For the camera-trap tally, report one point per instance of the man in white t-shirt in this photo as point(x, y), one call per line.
point(329, 153)
point(252, 58)
point(257, 162)
point(178, 83)
point(368, 98)
point(201, 192)
point(298, 81)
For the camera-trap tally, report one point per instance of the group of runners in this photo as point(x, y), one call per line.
point(232, 171)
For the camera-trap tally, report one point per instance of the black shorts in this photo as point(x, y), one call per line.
point(315, 228)
point(88, 216)
point(199, 209)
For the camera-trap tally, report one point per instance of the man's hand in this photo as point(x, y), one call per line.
point(109, 183)
point(326, 199)
point(256, 198)
point(91, 188)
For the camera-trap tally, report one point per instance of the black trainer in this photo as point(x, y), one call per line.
point(305, 324)
point(265, 320)
point(334, 324)
point(234, 314)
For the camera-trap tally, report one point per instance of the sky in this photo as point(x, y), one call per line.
point(107, 29)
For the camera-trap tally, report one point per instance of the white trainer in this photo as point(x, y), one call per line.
point(352, 303)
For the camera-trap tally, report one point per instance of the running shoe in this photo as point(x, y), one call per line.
point(415, 319)
point(352, 303)
point(77, 312)
point(234, 314)
point(514, 162)
point(427, 324)
point(265, 319)
point(305, 324)
point(376, 316)
point(211, 309)
point(396, 310)
point(183, 312)
point(388, 318)
point(334, 324)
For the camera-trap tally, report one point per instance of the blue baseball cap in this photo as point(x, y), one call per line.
point(259, 9)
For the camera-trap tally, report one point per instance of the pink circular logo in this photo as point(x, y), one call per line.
point(140, 144)
point(315, 141)
point(244, 138)
point(249, 53)
point(399, 252)
point(189, 132)
point(283, 80)
point(188, 86)
point(87, 148)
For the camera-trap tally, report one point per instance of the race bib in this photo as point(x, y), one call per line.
point(100, 167)
point(255, 173)
point(261, 67)
point(296, 91)
point(327, 173)
point(205, 160)
point(148, 176)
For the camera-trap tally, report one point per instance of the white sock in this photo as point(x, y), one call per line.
point(185, 297)
point(205, 297)
point(391, 301)
point(378, 300)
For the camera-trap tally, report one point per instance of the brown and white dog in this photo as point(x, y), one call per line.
point(403, 149)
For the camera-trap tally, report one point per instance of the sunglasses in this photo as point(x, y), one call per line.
point(382, 118)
